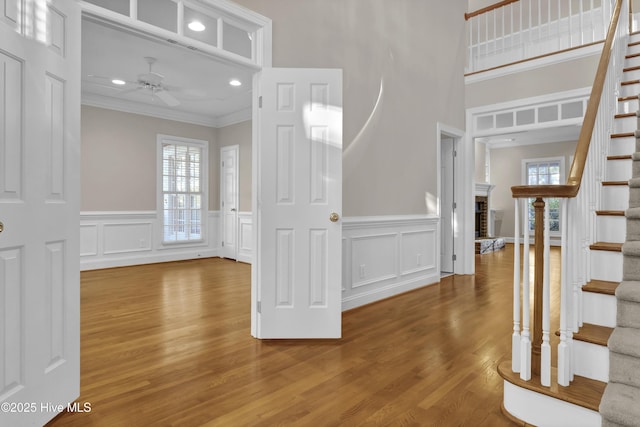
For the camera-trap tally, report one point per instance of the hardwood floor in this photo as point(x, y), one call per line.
point(169, 344)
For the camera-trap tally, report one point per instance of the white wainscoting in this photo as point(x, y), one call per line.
point(116, 239)
point(245, 238)
point(386, 256)
point(381, 256)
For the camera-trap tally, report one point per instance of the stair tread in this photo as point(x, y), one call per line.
point(625, 115)
point(627, 98)
point(610, 213)
point(583, 391)
point(610, 183)
point(623, 135)
point(601, 287)
point(594, 334)
point(630, 82)
point(634, 68)
point(632, 55)
point(619, 404)
point(620, 157)
point(606, 246)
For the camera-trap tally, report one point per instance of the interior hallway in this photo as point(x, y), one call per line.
point(169, 344)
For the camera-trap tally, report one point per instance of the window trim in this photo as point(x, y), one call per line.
point(204, 185)
point(525, 181)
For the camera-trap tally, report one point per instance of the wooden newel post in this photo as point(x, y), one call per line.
point(536, 335)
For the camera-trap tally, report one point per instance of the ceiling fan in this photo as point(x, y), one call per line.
point(152, 82)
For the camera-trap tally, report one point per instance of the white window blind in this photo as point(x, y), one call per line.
point(182, 191)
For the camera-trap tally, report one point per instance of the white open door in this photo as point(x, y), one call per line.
point(229, 200)
point(39, 209)
point(297, 272)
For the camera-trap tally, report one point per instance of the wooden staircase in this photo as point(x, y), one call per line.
point(598, 302)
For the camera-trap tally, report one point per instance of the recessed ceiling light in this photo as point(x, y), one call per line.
point(235, 82)
point(196, 26)
point(118, 82)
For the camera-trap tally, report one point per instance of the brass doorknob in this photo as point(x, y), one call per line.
point(1, 227)
point(334, 217)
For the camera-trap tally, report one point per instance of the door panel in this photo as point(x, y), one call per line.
point(229, 195)
point(39, 207)
point(300, 174)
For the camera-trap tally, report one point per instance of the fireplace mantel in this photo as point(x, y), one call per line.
point(483, 189)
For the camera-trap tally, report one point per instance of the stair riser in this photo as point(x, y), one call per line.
point(611, 229)
point(631, 75)
point(624, 369)
point(540, 410)
point(633, 49)
point(629, 89)
point(635, 170)
point(591, 360)
point(631, 62)
point(620, 170)
point(599, 309)
point(634, 197)
point(628, 314)
point(615, 197)
point(628, 106)
point(630, 268)
point(633, 229)
point(622, 146)
point(625, 124)
point(606, 265)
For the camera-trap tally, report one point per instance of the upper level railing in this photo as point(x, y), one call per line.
point(580, 199)
point(515, 30)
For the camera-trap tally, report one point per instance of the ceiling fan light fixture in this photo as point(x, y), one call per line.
point(196, 26)
point(118, 82)
point(235, 82)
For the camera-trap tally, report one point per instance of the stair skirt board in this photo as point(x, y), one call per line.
point(606, 265)
point(541, 410)
point(591, 361)
point(599, 309)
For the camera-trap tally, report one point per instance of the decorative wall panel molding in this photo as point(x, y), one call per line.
point(381, 257)
point(116, 239)
point(386, 256)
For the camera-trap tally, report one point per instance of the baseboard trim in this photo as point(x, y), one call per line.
point(388, 291)
point(125, 261)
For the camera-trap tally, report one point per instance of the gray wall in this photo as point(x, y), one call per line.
point(417, 48)
point(119, 159)
point(506, 171)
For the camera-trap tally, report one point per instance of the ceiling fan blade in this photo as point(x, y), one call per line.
point(167, 98)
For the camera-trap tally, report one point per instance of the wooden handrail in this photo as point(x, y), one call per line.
point(574, 179)
point(489, 8)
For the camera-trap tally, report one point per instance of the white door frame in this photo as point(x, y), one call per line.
point(263, 58)
point(447, 203)
point(224, 216)
point(463, 241)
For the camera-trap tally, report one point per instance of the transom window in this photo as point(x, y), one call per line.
point(183, 188)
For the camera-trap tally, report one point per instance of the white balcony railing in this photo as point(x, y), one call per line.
point(516, 30)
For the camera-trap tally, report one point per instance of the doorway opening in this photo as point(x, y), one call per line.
point(450, 180)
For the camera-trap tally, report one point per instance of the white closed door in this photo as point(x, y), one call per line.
point(229, 200)
point(299, 174)
point(39, 209)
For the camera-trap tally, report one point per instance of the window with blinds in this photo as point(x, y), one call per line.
point(183, 192)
